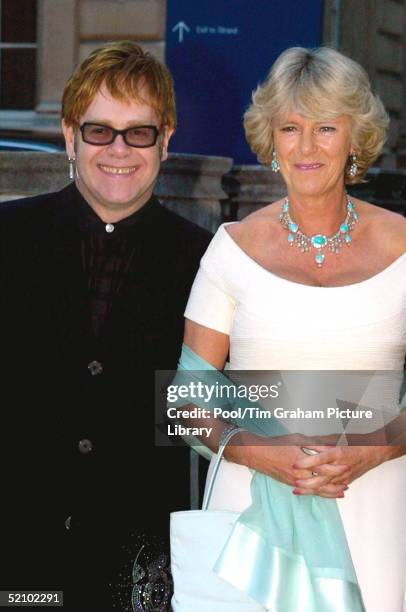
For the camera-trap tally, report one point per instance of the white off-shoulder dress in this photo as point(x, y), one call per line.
point(276, 324)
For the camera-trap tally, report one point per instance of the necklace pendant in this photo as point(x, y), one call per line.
point(319, 241)
point(319, 259)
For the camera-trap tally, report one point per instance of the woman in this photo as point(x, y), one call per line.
point(314, 281)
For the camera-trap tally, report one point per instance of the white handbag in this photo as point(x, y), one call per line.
point(197, 538)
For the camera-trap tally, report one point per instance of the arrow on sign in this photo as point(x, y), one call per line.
point(181, 27)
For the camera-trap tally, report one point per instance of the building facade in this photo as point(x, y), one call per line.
point(41, 42)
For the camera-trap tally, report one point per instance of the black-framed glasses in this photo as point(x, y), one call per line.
point(140, 136)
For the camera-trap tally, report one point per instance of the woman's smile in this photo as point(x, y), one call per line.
point(308, 166)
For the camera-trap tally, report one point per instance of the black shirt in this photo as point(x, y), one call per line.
point(107, 253)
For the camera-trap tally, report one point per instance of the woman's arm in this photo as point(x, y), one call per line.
point(272, 456)
point(209, 344)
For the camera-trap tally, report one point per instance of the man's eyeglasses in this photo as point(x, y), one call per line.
point(140, 136)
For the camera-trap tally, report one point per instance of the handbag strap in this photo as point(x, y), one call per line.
point(219, 457)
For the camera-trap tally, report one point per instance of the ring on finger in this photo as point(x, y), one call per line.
point(310, 451)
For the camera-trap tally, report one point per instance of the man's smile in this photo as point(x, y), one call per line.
point(117, 169)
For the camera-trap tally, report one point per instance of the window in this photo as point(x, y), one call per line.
point(18, 54)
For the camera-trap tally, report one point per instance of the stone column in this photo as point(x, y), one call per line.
point(57, 48)
point(139, 20)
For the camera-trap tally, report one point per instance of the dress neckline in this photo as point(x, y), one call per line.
point(371, 279)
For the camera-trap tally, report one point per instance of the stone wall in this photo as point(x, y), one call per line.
point(373, 32)
point(68, 30)
point(191, 185)
point(102, 20)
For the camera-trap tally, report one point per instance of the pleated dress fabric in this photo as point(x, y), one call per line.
point(277, 324)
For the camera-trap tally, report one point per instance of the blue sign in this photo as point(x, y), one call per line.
point(218, 51)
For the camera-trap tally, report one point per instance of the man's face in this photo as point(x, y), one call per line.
point(116, 179)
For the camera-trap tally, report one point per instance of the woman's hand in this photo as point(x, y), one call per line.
point(276, 457)
point(358, 459)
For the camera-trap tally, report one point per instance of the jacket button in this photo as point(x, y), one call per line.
point(85, 446)
point(95, 368)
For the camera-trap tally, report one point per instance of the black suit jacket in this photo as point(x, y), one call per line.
point(84, 486)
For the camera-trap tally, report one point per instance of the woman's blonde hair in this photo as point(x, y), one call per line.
point(320, 84)
point(124, 67)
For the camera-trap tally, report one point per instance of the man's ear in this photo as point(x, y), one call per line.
point(165, 138)
point(69, 135)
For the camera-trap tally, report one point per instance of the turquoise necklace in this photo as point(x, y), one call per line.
point(319, 241)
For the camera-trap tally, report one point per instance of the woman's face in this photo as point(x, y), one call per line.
point(312, 154)
point(117, 179)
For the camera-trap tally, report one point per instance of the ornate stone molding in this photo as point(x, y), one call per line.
point(250, 188)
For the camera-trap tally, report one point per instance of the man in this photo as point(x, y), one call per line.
point(94, 281)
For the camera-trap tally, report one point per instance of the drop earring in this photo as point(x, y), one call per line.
point(275, 167)
point(72, 167)
point(354, 166)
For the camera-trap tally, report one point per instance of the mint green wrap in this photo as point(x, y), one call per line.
point(289, 553)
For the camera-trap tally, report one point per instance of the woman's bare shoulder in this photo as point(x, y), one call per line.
point(385, 225)
point(257, 224)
